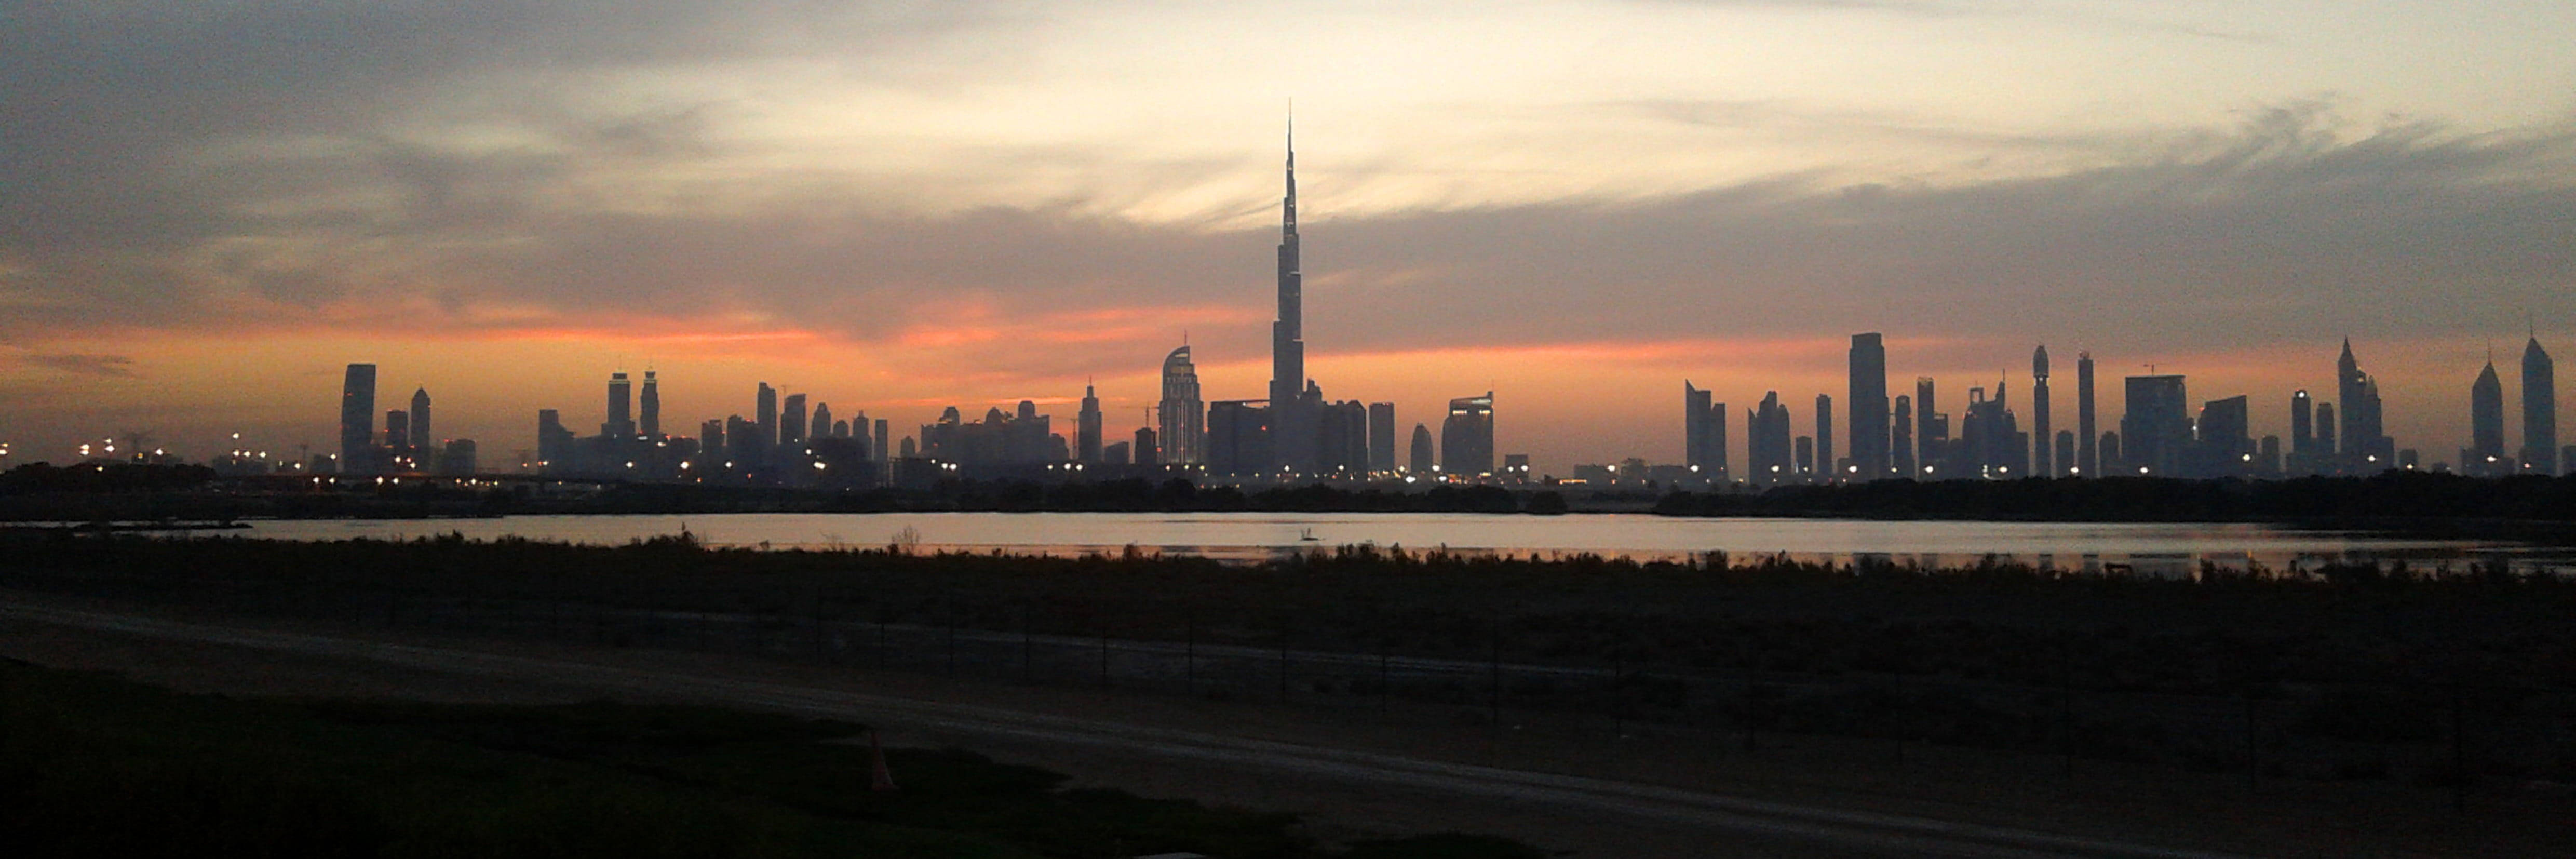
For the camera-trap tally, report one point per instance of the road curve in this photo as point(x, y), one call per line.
point(1860, 831)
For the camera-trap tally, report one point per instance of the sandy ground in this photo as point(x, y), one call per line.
point(2218, 813)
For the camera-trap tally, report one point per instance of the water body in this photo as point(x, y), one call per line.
point(2164, 548)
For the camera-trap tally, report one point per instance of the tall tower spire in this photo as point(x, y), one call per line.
point(1292, 422)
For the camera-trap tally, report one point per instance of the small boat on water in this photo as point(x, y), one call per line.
point(1306, 535)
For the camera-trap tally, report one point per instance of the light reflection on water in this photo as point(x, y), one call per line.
point(2159, 548)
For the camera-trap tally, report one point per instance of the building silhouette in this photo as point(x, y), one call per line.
point(1827, 469)
point(1184, 432)
point(764, 416)
point(1381, 438)
point(1342, 439)
point(621, 408)
point(1420, 457)
point(1901, 440)
point(2485, 453)
point(1292, 418)
point(1238, 438)
point(2540, 454)
point(554, 441)
point(648, 418)
point(2155, 432)
point(1467, 436)
point(1867, 402)
point(791, 429)
point(1805, 459)
point(2042, 464)
point(2326, 445)
point(1990, 437)
point(1086, 427)
point(358, 420)
point(1769, 449)
point(2223, 442)
point(2366, 447)
point(2088, 453)
point(1148, 449)
point(420, 438)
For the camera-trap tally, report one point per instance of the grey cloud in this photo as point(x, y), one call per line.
point(81, 364)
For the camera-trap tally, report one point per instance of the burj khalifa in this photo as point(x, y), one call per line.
point(1293, 421)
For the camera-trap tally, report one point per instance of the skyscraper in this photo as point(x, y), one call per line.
point(764, 415)
point(1184, 427)
point(1768, 448)
point(2539, 411)
point(1931, 434)
point(2327, 445)
point(2041, 464)
point(2303, 415)
point(397, 431)
point(2223, 442)
point(358, 420)
point(554, 442)
point(877, 446)
point(791, 424)
point(1292, 423)
point(822, 422)
point(1467, 436)
point(1238, 438)
point(649, 407)
point(1868, 405)
point(1420, 456)
point(1694, 425)
point(421, 438)
point(2366, 446)
point(1826, 469)
point(2088, 460)
point(1086, 426)
point(1901, 444)
point(621, 404)
point(2486, 423)
point(2156, 429)
point(1381, 438)
point(1148, 448)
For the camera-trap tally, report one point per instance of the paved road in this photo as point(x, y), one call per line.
point(1859, 832)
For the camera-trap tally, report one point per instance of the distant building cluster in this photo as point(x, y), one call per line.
point(405, 445)
point(2159, 433)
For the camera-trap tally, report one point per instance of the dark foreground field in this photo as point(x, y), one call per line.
point(92, 766)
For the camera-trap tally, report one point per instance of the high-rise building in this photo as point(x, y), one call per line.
point(1467, 436)
point(1342, 439)
point(1116, 453)
point(2223, 442)
point(1868, 405)
point(2367, 448)
point(2066, 449)
point(1695, 404)
point(554, 442)
point(2539, 411)
point(1184, 431)
point(1806, 459)
point(791, 424)
point(764, 416)
point(1086, 426)
point(2327, 445)
point(1420, 456)
point(2155, 432)
point(2486, 424)
point(822, 422)
point(711, 446)
point(457, 458)
point(2303, 414)
point(1991, 442)
point(1768, 446)
point(1292, 414)
point(877, 445)
point(1381, 438)
point(1901, 442)
point(2042, 464)
point(1931, 430)
point(1826, 468)
point(421, 438)
point(1238, 438)
point(358, 420)
point(621, 405)
point(648, 419)
point(1148, 448)
point(2088, 455)
point(397, 431)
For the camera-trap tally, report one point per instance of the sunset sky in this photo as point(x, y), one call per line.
point(207, 207)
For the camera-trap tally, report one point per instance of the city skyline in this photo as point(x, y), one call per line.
point(1573, 228)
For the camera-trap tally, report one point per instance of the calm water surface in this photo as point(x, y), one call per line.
point(2160, 547)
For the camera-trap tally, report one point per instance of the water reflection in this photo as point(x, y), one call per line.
point(2146, 548)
